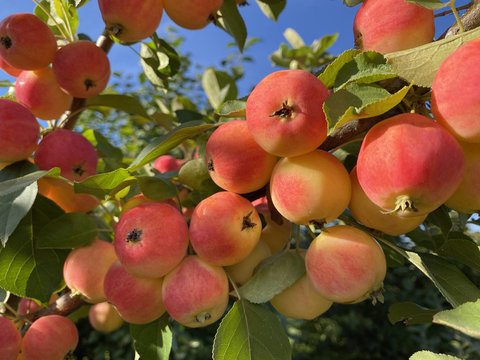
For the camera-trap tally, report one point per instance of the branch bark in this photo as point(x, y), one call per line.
point(64, 306)
point(470, 20)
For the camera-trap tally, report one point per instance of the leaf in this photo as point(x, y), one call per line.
point(102, 144)
point(67, 232)
point(465, 318)
point(448, 279)
point(6, 83)
point(24, 270)
point(4, 295)
point(328, 76)
point(440, 218)
point(219, 87)
point(251, 332)
point(153, 341)
point(427, 355)
point(410, 314)
point(167, 142)
point(366, 68)
point(65, 15)
point(156, 188)
point(15, 205)
point(293, 38)
point(150, 61)
point(420, 64)
point(171, 60)
point(272, 11)
point(232, 22)
point(233, 108)
point(119, 102)
point(465, 251)
point(429, 4)
point(359, 101)
point(272, 276)
point(351, 3)
point(193, 173)
point(19, 183)
point(101, 185)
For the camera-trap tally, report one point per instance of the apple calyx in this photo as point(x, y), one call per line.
point(134, 236)
point(214, 18)
point(78, 169)
point(285, 112)
point(6, 42)
point(89, 84)
point(247, 222)
point(116, 29)
point(359, 41)
point(377, 295)
point(319, 223)
point(69, 356)
point(210, 166)
point(403, 205)
point(202, 317)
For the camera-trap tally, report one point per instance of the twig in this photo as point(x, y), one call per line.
point(460, 8)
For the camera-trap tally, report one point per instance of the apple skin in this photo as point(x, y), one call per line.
point(301, 300)
point(196, 293)
point(10, 70)
point(157, 236)
point(39, 92)
point(27, 43)
point(239, 166)
point(166, 163)
point(313, 188)
point(104, 317)
point(372, 216)
point(224, 229)
point(27, 306)
point(137, 300)
point(242, 271)
point(121, 18)
point(10, 340)
point(19, 132)
point(387, 26)
point(82, 69)
point(50, 337)
point(346, 265)
point(70, 151)
point(142, 199)
point(192, 14)
point(404, 174)
point(302, 127)
point(458, 112)
point(85, 269)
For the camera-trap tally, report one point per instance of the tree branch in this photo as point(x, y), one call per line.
point(470, 20)
point(64, 306)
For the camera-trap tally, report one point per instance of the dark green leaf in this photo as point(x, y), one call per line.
point(465, 318)
point(119, 102)
point(157, 188)
point(251, 332)
point(219, 87)
point(153, 341)
point(273, 275)
point(232, 22)
point(465, 251)
point(352, 3)
point(410, 314)
point(102, 144)
point(20, 183)
point(329, 76)
point(272, 11)
point(167, 142)
point(101, 185)
point(429, 4)
point(67, 232)
point(193, 173)
point(440, 218)
point(185, 115)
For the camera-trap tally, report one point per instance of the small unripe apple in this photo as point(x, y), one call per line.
point(242, 271)
point(104, 317)
point(10, 340)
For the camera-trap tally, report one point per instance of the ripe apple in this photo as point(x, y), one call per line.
point(242, 271)
point(151, 239)
point(137, 300)
point(224, 229)
point(82, 69)
point(10, 70)
point(27, 306)
point(192, 14)
point(50, 337)
point(285, 114)
point(239, 166)
point(392, 25)
point(39, 92)
point(10, 339)
point(104, 317)
point(26, 42)
point(404, 174)
point(346, 265)
point(195, 293)
point(166, 163)
point(142, 199)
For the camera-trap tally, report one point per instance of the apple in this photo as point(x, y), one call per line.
point(10, 70)
point(10, 339)
point(27, 306)
point(192, 14)
point(242, 271)
point(104, 317)
point(166, 163)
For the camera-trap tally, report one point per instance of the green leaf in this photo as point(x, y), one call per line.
point(153, 341)
point(273, 275)
point(13, 185)
point(24, 270)
point(119, 102)
point(465, 318)
point(359, 101)
point(156, 188)
point(449, 280)
point(293, 38)
point(67, 232)
point(465, 251)
point(58, 14)
point(101, 185)
point(233, 108)
point(193, 173)
point(440, 218)
point(272, 11)
point(420, 64)
point(169, 58)
point(427, 355)
point(251, 332)
point(328, 76)
point(6, 83)
point(410, 314)
point(232, 22)
point(102, 144)
point(150, 61)
point(429, 4)
point(15, 205)
point(167, 142)
point(351, 3)
point(219, 87)
point(366, 68)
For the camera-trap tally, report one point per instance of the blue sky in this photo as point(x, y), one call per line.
point(312, 19)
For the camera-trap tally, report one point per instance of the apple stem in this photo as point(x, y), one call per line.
point(457, 17)
point(234, 285)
